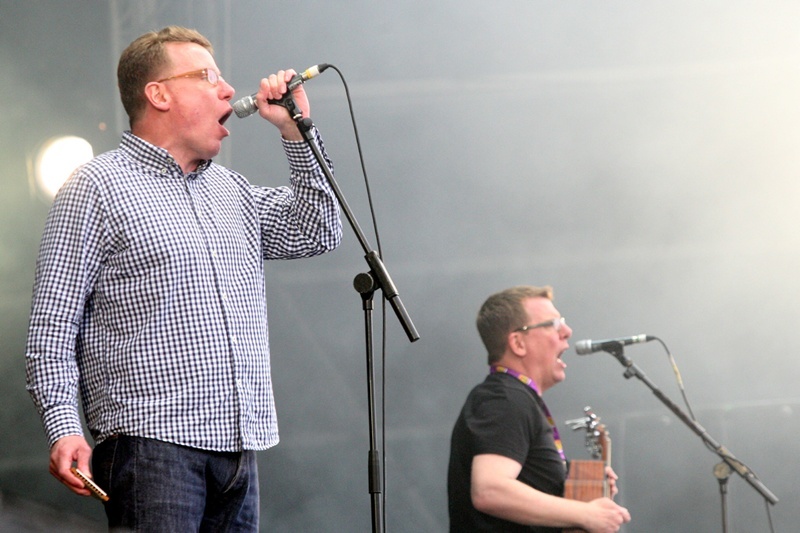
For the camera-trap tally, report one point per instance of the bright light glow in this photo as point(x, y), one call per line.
point(57, 159)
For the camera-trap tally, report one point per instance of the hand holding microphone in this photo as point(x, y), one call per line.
point(246, 106)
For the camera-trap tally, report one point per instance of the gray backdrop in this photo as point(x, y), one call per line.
point(641, 157)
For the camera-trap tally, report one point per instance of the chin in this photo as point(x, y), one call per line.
point(213, 152)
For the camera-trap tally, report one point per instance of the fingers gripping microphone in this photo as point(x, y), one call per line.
point(589, 346)
point(246, 106)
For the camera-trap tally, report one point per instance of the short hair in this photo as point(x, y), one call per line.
point(144, 59)
point(502, 313)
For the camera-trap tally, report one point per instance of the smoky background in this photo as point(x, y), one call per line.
point(641, 158)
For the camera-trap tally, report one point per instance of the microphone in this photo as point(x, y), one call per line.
point(246, 106)
point(589, 346)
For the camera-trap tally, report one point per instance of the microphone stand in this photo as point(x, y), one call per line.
point(722, 470)
point(365, 283)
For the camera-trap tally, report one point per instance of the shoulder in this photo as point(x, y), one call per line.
point(89, 179)
point(102, 169)
point(500, 392)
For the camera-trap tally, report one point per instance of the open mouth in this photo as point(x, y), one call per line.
point(225, 117)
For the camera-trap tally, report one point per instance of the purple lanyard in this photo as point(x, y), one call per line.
point(530, 383)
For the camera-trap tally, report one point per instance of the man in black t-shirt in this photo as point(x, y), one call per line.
point(507, 467)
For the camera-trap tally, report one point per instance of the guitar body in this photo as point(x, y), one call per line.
point(586, 481)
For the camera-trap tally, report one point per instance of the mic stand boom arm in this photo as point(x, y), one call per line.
point(377, 268)
point(631, 370)
point(365, 284)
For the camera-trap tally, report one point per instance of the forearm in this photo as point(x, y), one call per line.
point(306, 216)
point(52, 384)
point(51, 368)
point(517, 502)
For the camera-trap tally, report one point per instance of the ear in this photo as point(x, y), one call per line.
point(157, 95)
point(515, 344)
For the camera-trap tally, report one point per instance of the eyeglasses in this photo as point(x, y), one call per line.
point(556, 323)
point(207, 74)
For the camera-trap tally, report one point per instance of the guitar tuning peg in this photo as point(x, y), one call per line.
point(578, 423)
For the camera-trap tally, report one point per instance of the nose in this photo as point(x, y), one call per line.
point(566, 331)
point(226, 90)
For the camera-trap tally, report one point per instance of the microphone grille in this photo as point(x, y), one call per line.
point(244, 107)
point(583, 347)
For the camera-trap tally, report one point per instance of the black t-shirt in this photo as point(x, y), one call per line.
point(501, 416)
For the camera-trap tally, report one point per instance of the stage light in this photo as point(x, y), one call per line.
point(57, 159)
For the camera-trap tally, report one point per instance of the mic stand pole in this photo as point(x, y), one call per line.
point(377, 278)
point(365, 285)
point(631, 370)
point(722, 472)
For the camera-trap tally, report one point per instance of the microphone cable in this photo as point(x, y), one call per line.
point(378, 244)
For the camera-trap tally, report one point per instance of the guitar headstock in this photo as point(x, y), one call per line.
point(598, 441)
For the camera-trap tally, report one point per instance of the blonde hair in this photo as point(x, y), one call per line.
point(144, 59)
point(502, 313)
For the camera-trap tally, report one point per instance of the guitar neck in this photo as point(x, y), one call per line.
point(606, 463)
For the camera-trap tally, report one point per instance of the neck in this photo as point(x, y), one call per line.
point(528, 380)
point(151, 135)
point(530, 373)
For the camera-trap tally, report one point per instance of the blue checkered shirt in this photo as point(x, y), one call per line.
point(149, 296)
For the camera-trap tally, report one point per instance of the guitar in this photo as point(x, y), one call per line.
point(587, 478)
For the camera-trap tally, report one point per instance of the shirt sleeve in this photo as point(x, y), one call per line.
point(501, 425)
point(302, 220)
point(67, 265)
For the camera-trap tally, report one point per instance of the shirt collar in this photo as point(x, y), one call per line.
point(155, 159)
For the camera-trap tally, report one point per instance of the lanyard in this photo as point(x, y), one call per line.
point(530, 383)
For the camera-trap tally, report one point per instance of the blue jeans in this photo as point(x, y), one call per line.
point(156, 486)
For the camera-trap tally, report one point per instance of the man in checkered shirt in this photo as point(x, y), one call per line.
point(149, 297)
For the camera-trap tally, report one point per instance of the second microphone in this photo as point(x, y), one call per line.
point(589, 346)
